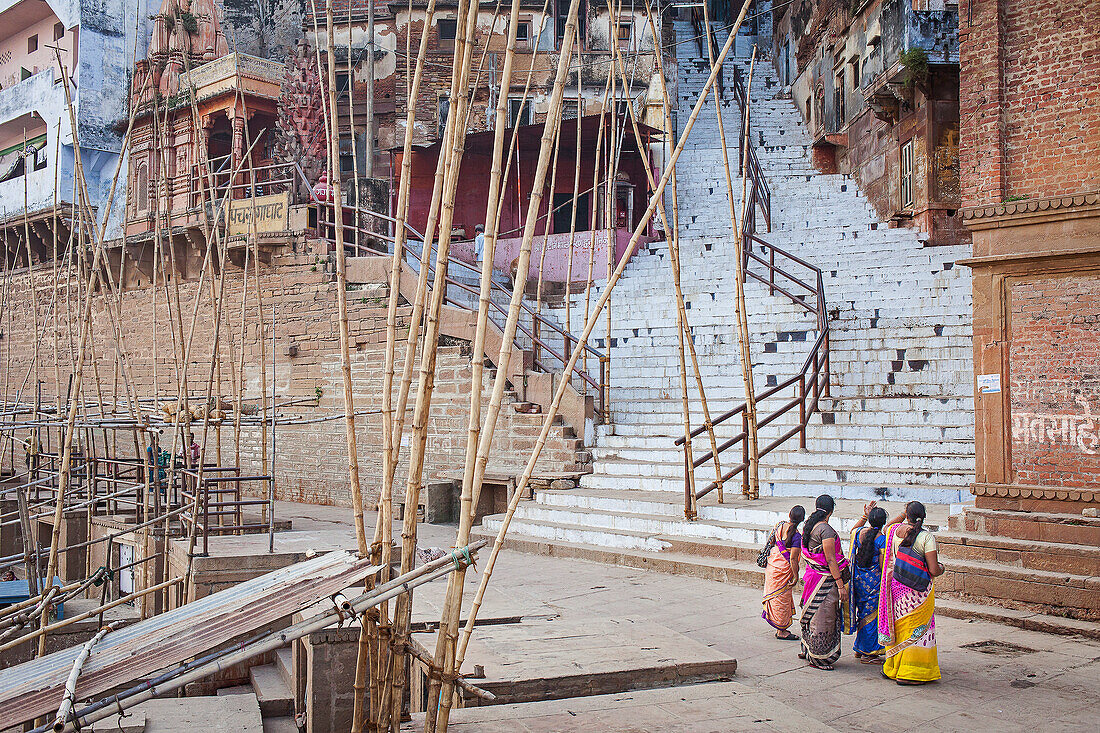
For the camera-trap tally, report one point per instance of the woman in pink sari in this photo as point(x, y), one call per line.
point(824, 589)
point(781, 575)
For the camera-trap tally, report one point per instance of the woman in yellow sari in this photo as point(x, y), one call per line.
point(781, 574)
point(906, 619)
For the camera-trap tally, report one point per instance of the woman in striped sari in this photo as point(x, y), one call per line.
point(781, 575)
point(906, 618)
point(824, 590)
point(865, 559)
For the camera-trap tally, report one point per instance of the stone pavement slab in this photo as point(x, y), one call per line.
point(572, 656)
point(213, 714)
point(995, 677)
point(718, 707)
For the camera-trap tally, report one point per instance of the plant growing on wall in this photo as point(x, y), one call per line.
point(915, 63)
point(190, 23)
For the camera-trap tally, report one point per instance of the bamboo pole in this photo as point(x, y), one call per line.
point(743, 333)
point(65, 470)
point(455, 135)
point(739, 276)
point(447, 638)
point(594, 208)
point(682, 330)
point(392, 425)
point(590, 324)
point(359, 682)
point(576, 194)
point(547, 226)
point(69, 698)
point(674, 259)
point(342, 297)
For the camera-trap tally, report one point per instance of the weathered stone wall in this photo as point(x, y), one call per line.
point(299, 294)
point(1054, 363)
point(1030, 97)
point(843, 63)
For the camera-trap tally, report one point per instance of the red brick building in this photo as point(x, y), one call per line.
point(1030, 114)
point(877, 83)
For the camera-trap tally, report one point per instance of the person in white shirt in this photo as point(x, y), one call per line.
point(479, 242)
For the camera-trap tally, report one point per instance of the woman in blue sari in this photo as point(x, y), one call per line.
point(865, 558)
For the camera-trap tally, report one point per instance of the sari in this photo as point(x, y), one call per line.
point(906, 623)
point(862, 616)
point(823, 609)
point(779, 582)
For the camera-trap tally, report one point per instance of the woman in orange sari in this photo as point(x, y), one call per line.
point(906, 618)
point(781, 575)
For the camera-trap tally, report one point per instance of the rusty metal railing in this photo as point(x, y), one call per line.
point(545, 356)
point(539, 330)
point(774, 267)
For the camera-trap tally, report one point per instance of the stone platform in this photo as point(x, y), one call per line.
point(579, 656)
point(704, 708)
point(235, 559)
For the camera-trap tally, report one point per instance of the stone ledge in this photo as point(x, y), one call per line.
point(1023, 619)
point(1027, 211)
point(1023, 491)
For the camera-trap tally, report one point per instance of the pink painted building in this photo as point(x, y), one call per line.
point(590, 234)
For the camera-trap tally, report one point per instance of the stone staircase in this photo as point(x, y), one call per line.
point(1037, 562)
point(898, 422)
point(273, 685)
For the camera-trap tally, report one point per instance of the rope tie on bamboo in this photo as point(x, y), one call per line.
point(464, 561)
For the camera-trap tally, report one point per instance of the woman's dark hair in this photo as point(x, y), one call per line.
point(798, 513)
point(865, 555)
point(824, 506)
point(914, 514)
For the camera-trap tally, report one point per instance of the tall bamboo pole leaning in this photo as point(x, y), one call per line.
point(742, 312)
point(590, 324)
point(452, 606)
point(391, 427)
point(447, 638)
point(674, 260)
point(342, 294)
point(65, 469)
point(443, 202)
point(84, 209)
point(739, 278)
point(682, 325)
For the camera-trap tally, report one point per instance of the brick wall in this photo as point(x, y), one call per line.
point(311, 463)
point(1054, 366)
point(1030, 98)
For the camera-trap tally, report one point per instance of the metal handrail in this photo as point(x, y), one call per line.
point(812, 379)
point(534, 333)
point(538, 321)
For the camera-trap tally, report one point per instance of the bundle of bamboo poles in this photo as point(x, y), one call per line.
point(384, 649)
point(385, 640)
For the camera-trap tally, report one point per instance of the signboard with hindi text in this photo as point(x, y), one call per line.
point(260, 214)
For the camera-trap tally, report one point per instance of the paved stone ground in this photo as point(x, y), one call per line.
point(719, 707)
point(1022, 681)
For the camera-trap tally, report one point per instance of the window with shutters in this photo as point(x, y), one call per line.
point(906, 187)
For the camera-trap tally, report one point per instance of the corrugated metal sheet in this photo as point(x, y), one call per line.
point(35, 688)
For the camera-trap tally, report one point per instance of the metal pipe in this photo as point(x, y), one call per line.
point(205, 666)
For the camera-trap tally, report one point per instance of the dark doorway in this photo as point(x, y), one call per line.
point(563, 212)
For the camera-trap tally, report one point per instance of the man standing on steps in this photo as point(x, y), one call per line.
point(479, 242)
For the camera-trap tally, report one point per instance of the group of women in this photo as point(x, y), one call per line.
point(881, 592)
